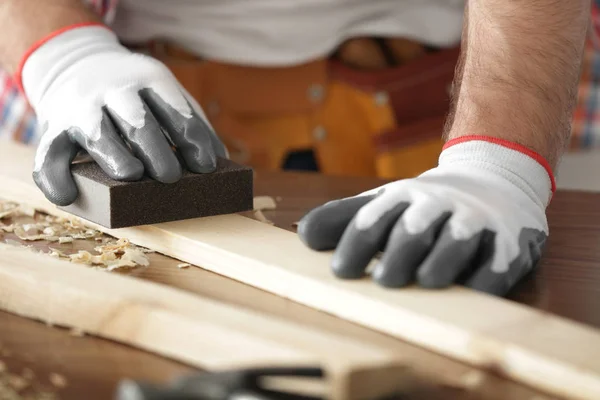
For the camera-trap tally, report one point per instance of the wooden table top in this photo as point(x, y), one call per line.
point(567, 283)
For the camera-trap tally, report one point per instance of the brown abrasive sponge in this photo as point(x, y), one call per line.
point(115, 204)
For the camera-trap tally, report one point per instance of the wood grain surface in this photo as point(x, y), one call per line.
point(566, 284)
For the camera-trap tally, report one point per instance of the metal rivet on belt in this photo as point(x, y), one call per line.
point(319, 133)
point(316, 92)
point(381, 98)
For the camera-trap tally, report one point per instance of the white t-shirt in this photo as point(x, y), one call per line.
point(285, 32)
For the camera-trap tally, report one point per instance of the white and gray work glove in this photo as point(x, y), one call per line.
point(477, 219)
point(126, 110)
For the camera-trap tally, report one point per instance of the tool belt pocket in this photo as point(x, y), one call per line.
point(253, 91)
point(262, 113)
point(259, 112)
point(386, 122)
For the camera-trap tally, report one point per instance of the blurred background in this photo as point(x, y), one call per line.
point(342, 87)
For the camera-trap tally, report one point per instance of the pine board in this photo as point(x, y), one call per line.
point(181, 326)
point(538, 349)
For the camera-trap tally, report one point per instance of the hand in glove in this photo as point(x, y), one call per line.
point(125, 110)
point(478, 219)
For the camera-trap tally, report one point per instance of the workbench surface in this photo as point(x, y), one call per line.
point(567, 284)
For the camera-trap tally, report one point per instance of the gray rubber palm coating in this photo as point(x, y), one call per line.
point(194, 139)
point(54, 178)
point(447, 260)
point(110, 152)
point(357, 248)
point(125, 152)
point(150, 146)
point(433, 259)
point(404, 253)
point(323, 227)
point(531, 244)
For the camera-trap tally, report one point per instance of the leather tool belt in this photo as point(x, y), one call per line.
point(386, 122)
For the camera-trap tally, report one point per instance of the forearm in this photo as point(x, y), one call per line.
point(518, 73)
point(26, 21)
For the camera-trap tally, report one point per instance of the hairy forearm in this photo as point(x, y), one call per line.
point(26, 21)
point(518, 73)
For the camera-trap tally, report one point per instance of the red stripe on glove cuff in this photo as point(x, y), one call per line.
point(18, 75)
point(511, 145)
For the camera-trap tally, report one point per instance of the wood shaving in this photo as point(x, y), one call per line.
point(118, 247)
point(264, 203)
point(77, 332)
point(136, 256)
point(131, 258)
point(472, 379)
point(2, 367)
point(28, 374)
point(8, 209)
point(31, 228)
point(21, 387)
point(17, 382)
point(261, 217)
point(111, 254)
point(58, 380)
point(7, 228)
point(467, 381)
point(81, 257)
point(32, 233)
point(103, 259)
point(48, 227)
point(27, 211)
point(183, 265)
point(57, 253)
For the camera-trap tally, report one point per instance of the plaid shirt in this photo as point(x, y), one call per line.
point(17, 119)
point(586, 119)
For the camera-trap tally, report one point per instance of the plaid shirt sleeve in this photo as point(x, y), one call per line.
point(18, 122)
point(585, 132)
point(17, 119)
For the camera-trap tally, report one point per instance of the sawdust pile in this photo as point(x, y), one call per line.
point(111, 254)
point(44, 227)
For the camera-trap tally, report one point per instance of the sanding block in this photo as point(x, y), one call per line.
point(116, 204)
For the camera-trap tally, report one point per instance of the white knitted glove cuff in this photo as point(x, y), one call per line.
point(521, 166)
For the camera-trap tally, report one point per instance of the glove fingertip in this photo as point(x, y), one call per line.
point(59, 196)
point(128, 171)
point(430, 281)
point(388, 277)
point(308, 232)
point(341, 269)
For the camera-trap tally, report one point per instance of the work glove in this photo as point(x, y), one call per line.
point(126, 110)
point(477, 219)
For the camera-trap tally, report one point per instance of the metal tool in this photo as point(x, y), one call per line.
point(246, 384)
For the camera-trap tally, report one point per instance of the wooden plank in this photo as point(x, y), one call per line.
point(182, 326)
point(542, 350)
point(442, 375)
